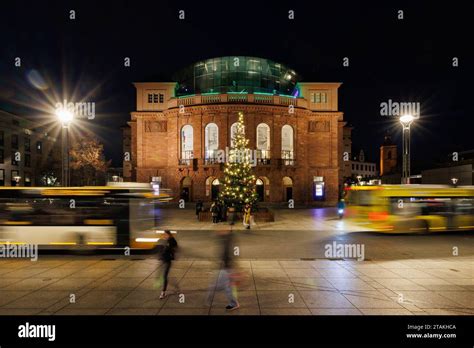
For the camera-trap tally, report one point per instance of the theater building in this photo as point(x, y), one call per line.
point(294, 127)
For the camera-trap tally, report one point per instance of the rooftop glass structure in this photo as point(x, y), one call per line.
point(236, 74)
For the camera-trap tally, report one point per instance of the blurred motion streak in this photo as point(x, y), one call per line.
point(411, 208)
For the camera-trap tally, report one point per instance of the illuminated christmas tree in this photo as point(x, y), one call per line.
point(239, 181)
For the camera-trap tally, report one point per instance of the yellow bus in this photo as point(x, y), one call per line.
point(115, 216)
point(411, 208)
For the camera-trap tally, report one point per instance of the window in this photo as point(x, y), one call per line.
point(287, 150)
point(27, 144)
point(2, 177)
point(389, 155)
point(2, 156)
point(15, 179)
point(319, 97)
point(263, 142)
point(353, 166)
point(154, 98)
point(27, 161)
point(187, 144)
point(211, 142)
point(27, 179)
point(14, 158)
point(324, 98)
point(14, 141)
point(39, 147)
point(2, 137)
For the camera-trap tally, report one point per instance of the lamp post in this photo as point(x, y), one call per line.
point(65, 117)
point(406, 121)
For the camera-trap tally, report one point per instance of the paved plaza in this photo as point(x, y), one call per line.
point(125, 286)
point(317, 219)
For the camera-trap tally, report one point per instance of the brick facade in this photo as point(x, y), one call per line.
point(317, 137)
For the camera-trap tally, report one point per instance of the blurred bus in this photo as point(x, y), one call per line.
point(411, 208)
point(115, 216)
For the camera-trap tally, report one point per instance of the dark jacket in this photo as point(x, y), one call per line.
point(169, 249)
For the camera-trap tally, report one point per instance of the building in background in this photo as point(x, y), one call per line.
point(346, 168)
point(388, 156)
point(114, 174)
point(461, 169)
point(29, 156)
point(390, 171)
point(294, 127)
point(361, 168)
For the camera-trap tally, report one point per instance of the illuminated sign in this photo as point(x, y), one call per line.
point(319, 189)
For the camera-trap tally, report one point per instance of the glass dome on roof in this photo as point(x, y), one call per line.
point(236, 74)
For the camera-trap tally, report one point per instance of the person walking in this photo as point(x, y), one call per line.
point(198, 208)
point(215, 212)
point(231, 215)
point(228, 279)
point(247, 212)
point(167, 256)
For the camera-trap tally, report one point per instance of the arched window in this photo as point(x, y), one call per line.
point(233, 130)
point(287, 147)
point(211, 142)
point(187, 143)
point(263, 142)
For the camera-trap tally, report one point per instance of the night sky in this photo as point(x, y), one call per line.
point(407, 60)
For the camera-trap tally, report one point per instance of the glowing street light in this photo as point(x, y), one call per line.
point(406, 121)
point(65, 117)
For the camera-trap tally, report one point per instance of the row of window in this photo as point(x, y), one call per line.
point(366, 167)
point(211, 141)
point(15, 142)
point(15, 178)
point(319, 97)
point(155, 98)
point(16, 158)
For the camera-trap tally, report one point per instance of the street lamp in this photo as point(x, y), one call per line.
point(65, 117)
point(406, 121)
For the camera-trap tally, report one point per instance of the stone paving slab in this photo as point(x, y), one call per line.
point(120, 286)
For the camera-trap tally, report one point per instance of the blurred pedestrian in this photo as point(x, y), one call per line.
point(198, 208)
point(167, 255)
point(227, 280)
point(231, 215)
point(219, 211)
